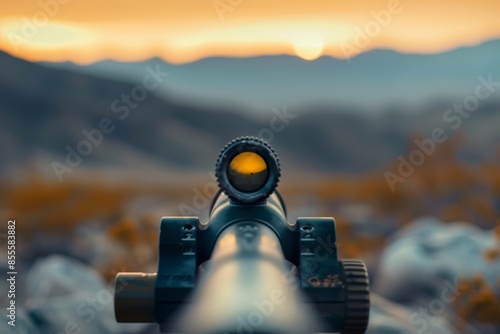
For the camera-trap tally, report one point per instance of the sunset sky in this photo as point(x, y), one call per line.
point(186, 30)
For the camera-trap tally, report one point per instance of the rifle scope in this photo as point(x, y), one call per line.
point(247, 269)
point(247, 170)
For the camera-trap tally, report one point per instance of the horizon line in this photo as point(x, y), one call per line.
point(470, 45)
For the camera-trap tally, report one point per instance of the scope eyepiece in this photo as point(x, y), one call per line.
point(247, 170)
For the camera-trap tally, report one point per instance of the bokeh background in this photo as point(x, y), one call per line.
point(385, 115)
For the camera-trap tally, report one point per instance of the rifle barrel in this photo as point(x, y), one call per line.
point(247, 287)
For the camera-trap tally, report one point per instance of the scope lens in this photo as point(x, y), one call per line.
point(247, 172)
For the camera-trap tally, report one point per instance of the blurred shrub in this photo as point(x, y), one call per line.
point(478, 301)
point(444, 186)
point(493, 253)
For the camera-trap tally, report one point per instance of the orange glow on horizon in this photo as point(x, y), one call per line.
point(86, 32)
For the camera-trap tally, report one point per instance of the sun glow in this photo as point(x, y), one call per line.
point(90, 31)
point(308, 48)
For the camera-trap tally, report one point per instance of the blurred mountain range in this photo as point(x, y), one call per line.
point(370, 80)
point(44, 110)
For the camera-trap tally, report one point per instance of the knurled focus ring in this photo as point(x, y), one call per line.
point(247, 144)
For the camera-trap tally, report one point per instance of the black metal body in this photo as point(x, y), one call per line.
point(249, 246)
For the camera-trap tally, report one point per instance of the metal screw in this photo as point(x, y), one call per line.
point(307, 228)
